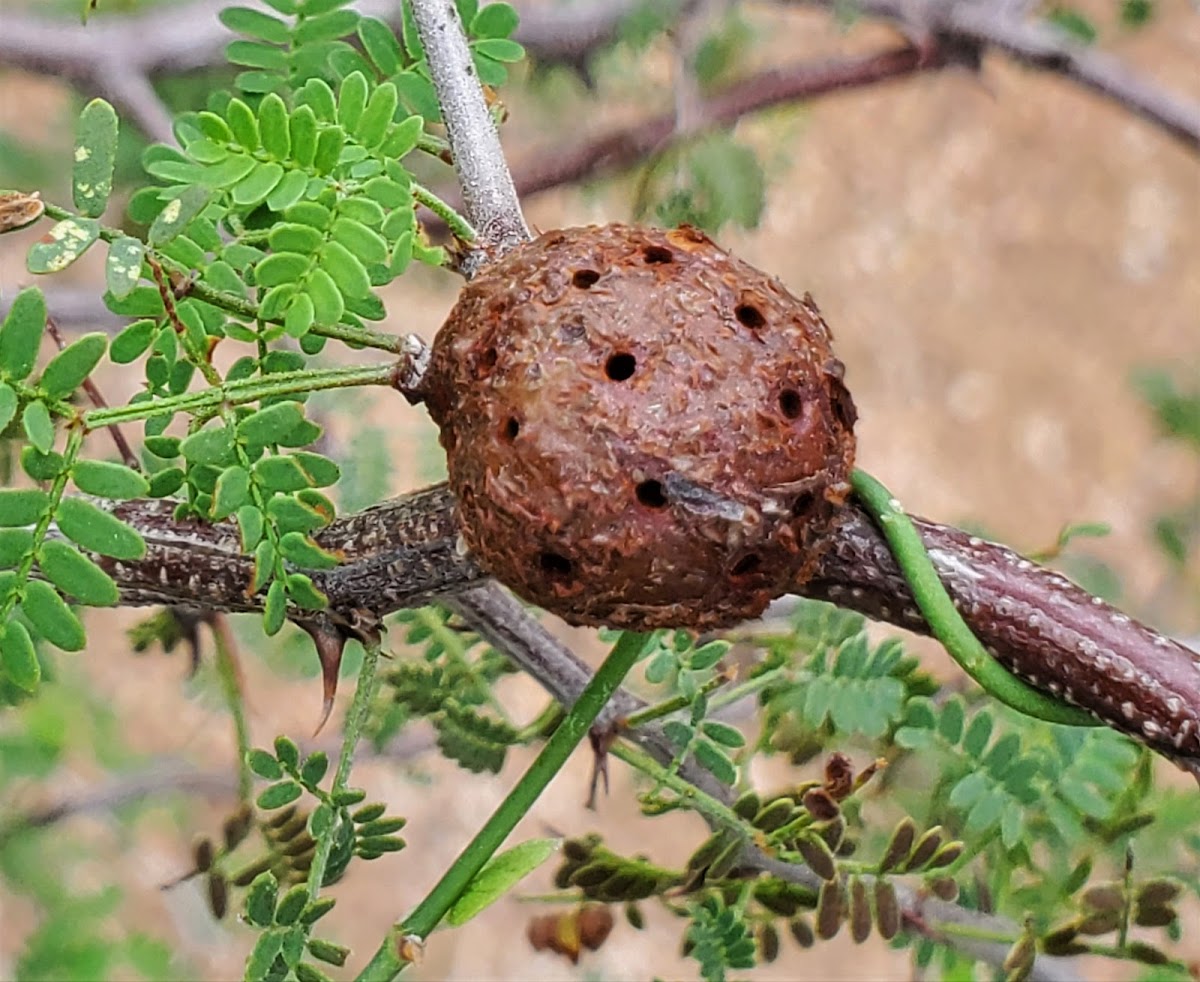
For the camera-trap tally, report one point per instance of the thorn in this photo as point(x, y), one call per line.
point(600, 739)
point(330, 643)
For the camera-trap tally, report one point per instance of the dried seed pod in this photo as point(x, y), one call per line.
point(640, 429)
point(829, 909)
point(236, 827)
point(860, 911)
point(802, 932)
point(818, 856)
point(202, 855)
point(887, 909)
point(595, 925)
point(925, 848)
point(218, 895)
point(821, 804)
point(899, 846)
point(768, 943)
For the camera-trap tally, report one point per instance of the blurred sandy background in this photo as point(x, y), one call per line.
point(995, 256)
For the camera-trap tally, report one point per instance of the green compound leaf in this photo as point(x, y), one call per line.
point(300, 315)
point(280, 474)
point(18, 658)
point(72, 365)
point(97, 530)
point(344, 268)
point(270, 425)
point(256, 24)
point(22, 506)
point(8, 405)
point(298, 548)
point(273, 125)
point(212, 446)
point(260, 898)
point(109, 480)
point(264, 764)
point(275, 607)
point(254, 188)
point(279, 794)
point(15, 545)
point(48, 612)
point(502, 872)
point(352, 99)
point(21, 334)
point(177, 213)
point(280, 268)
point(38, 425)
point(328, 305)
point(320, 471)
point(496, 20)
point(124, 266)
point(95, 155)
point(132, 342)
point(231, 492)
point(379, 42)
point(62, 245)
point(73, 573)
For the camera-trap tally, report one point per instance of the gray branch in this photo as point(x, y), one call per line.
point(982, 24)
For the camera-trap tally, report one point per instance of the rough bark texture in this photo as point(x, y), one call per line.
point(641, 430)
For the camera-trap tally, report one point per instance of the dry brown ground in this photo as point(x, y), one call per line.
point(995, 256)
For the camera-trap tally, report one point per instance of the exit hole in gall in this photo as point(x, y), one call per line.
point(619, 367)
point(651, 494)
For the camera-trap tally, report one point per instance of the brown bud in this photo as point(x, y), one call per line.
point(640, 429)
point(768, 943)
point(925, 848)
point(839, 776)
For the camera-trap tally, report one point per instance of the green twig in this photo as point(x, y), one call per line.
point(454, 221)
point(241, 307)
point(387, 961)
point(944, 619)
point(356, 720)
point(244, 391)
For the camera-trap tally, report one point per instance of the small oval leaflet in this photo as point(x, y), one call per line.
point(109, 480)
point(72, 365)
point(95, 156)
point(73, 573)
point(62, 245)
point(177, 213)
point(501, 873)
point(18, 658)
point(49, 613)
point(39, 426)
point(98, 531)
point(123, 268)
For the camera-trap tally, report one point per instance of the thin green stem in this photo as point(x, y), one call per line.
point(704, 803)
point(248, 309)
point(387, 962)
point(242, 392)
point(356, 720)
point(454, 221)
point(944, 619)
point(669, 706)
point(231, 686)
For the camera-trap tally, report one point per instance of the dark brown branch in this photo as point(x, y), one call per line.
point(406, 551)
